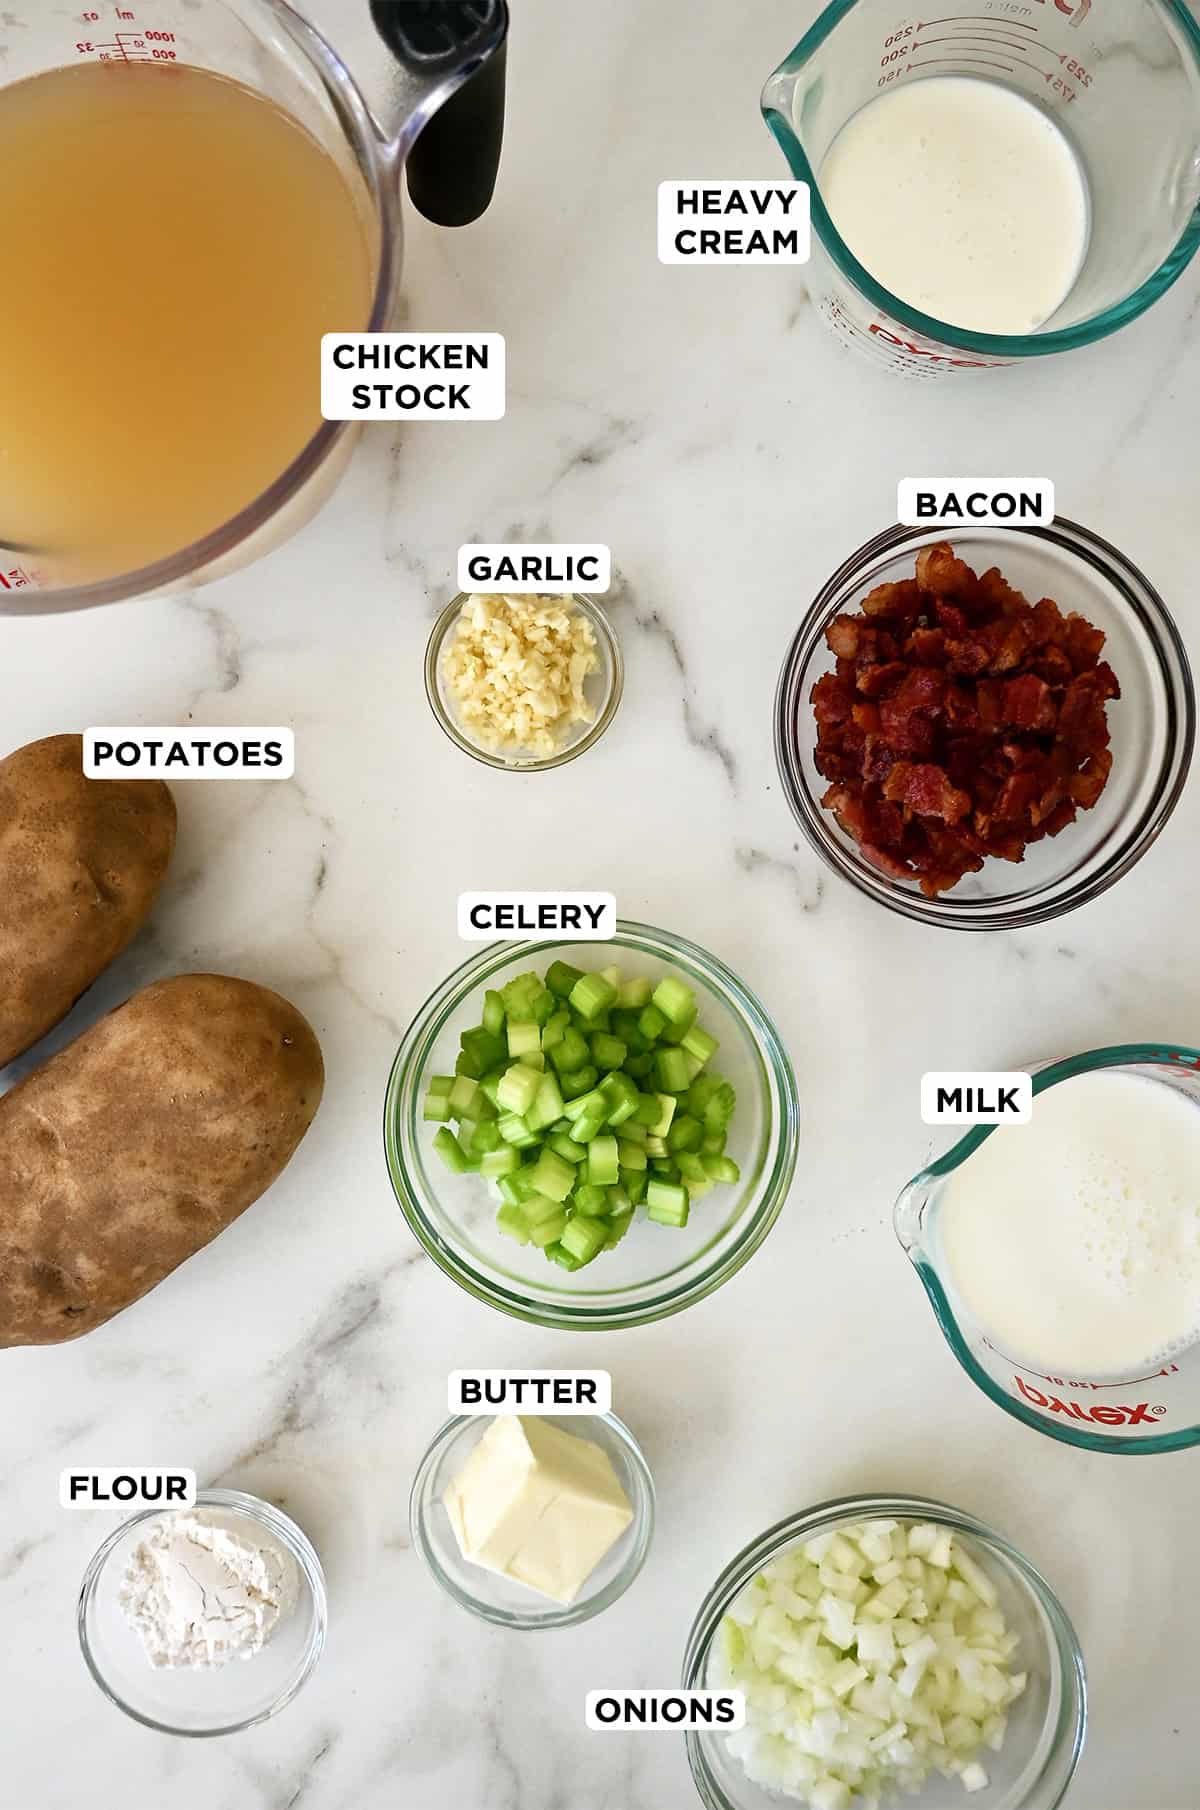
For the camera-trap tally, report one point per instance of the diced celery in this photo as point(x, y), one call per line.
point(721, 1168)
point(701, 1092)
point(720, 1108)
point(547, 1105)
point(562, 1257)
point(512, 1222)
point(698, 1043)
point(523, 1039)
point(603, 1161)
point(638, 1067)
point(493, 1013)
point(462, 1096)
point(692, 1065)
point(485, 1135)
point(553, 1176)
point(508, 1191)
point(539, 1208)
point(495, 1163)
point(665, 1166)
point(655, 1146)
point(591, 1201)
point(617, 1203)
point(440, 1085)
point(437, 1106)
point(667, 1203)
point(651, 1023)
point(686, 1133)
point(518, 995)
point(566, 1147)
point(612, 975)
point(561, 977)
point(579, 1082)
point(674, 999)
point(625, 1026)
point(514, 1130)
point(691, 1169)
point(634, 993)
point(522, 1183)
point(617, 1230)
point(572, 1052)
point(670, 1068)
point(634, 1133)
point(518, 1088)
point(486, 1048)
point(451, 1151)
point(547, 1231)
point(554, 1030)
point(584, 1238)
point(621, 1098)
point(608, 1051)
point(592, 994)
point(650, 1109)
point(632, 1156)
point(588, 1125)
point(713, 1144)
point(467, 1064)
point(489, 1087)
point(536, 1060)
point(634, 1182)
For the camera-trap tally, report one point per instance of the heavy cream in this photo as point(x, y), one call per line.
point(963, 199)
point(1074, 1241)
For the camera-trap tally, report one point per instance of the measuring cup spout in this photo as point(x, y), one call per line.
point(451, 59)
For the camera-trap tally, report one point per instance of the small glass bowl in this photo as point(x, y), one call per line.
point(1046, 1725)
point(225, 1699)
point(1152, 724)
point(500, 1599)
point(602, 689)
point(655, 1270)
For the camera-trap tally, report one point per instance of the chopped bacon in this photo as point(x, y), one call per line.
point(960, 722)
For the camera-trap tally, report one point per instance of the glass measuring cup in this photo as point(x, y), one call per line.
point(449, 102)
point(1159, 1412)
point(1120, 78)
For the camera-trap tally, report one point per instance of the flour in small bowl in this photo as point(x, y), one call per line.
point(201, 1590)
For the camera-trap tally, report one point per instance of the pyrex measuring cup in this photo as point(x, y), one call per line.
point(1159, 1412)
point(1120, 78)
point(449, 99)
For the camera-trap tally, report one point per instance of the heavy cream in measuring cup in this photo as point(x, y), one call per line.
point(1074, 1240)
point(963, 199)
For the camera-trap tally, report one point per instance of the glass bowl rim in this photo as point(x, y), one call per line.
point(561, 1615)
point(775, 1186)
point(1084, 547)
point(1045, 1074)
point(1002, 346)
point(289, 1534)
point(609, 646)
point(806, 1523)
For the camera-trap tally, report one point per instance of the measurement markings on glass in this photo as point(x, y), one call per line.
point(984, 41)
point(136, 46)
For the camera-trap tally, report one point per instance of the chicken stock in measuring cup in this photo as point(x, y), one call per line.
point(996, 182)
point(202, 195)
point(1062, 1257)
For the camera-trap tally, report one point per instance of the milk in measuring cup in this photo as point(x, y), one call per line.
point(1074, 1240)
point(963, 199)
point(174, 245)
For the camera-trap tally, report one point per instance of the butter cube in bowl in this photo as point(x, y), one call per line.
point(533, 1521)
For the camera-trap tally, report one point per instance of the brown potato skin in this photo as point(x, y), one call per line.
point(134, 1146)
point(81, 863)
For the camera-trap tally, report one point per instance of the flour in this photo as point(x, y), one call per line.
point(199, 1592)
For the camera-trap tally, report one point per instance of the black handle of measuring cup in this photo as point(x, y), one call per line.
point(453, 164)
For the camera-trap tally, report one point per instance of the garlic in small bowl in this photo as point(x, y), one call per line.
point(523, 681)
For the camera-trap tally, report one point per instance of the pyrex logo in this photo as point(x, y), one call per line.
point(1143, 1415)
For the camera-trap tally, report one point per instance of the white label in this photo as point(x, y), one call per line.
point(733, 223)
point(549, 569)
point(977, 1097)
point(485, 917)
point(184, 752)
point(530, 1391)
point(131, 1487)
point(672, 1710)
point(988, 502)
point(412, 376)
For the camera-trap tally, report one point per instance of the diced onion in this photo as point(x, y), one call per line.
point(869, 1658)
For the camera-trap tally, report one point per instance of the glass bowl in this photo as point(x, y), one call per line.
point(500, 1599)
point(1153, 723)
point(1046, 1725)
point(602, 689)
point(224, 1699)
point(655, 1270)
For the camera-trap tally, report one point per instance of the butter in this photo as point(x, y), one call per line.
point(537, 1505)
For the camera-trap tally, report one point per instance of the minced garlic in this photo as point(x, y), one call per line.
point(515, 668)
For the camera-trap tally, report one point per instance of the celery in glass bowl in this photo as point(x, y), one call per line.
point(657, 1266)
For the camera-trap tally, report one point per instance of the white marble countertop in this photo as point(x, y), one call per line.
point(708, 428)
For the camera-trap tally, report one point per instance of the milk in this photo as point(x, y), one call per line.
point(1074, 1241)
point(963, 199)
